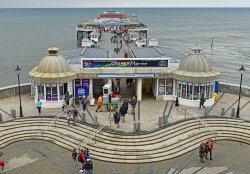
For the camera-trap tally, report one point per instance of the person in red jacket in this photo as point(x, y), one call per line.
point(209, 146)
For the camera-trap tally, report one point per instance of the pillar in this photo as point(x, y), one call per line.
point(139, 89)
point(91, 88)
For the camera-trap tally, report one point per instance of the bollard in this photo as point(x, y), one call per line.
point(1, 118)
point(95, 120)
point(233, 112)
point(135, 126)
point(206, 112)
point(138, 126)
point(13, 113)
point(160, 121)
point(83, 116)
point(222, 111)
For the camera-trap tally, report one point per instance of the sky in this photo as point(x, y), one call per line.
point(120, 3)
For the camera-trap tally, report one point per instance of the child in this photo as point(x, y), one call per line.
point(74, 155)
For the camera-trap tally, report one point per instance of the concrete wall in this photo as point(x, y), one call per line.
point(9, 91)
point(233, 88)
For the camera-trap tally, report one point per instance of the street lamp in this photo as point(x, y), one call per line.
point(242, 71)
point(18, 73)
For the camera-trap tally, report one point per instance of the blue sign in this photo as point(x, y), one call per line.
point(81, 91)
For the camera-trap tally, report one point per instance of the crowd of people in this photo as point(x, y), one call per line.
point(83, 157)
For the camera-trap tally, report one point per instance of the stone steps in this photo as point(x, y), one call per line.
point(160, 145)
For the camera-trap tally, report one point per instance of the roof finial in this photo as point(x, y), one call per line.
point(53, 50)
point(196, 48)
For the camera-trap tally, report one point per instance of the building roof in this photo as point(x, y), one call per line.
point(52, 68)
point(195, 67)
point(74, 55)
point(147, 52)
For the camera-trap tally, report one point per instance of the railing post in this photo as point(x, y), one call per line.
point(161, 121)
point(1, 118)
point(13, 113)
point(83, 116)
point(95, 120)
point(222, 111)
point(233, 112)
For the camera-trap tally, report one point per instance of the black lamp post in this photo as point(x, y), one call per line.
point(18, 73)
point(242, 71)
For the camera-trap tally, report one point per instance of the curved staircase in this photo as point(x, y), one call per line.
point(165, 143)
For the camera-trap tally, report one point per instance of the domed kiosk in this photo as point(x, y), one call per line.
point(195, 76)
point(49, 79)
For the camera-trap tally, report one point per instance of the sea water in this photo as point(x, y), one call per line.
point(25, 35)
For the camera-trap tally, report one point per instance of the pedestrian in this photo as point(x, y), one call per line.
point(64, 104)
point(74, 114)
point(69, 113)
point(125, 103)
point(122, 112)
point(88, 166)
point(71, 100)
point(39, 105)
point(81, 158)
point(67, 97)
point(202, 101)
point(117, 118)
point(100, 103)
point(74, 156)
point(133, 103)
point(84, 105)
point(176, 103)
point(209, 146)
point(2, 164)
point(202, 152)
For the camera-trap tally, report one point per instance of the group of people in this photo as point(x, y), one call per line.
point(83, 157)
point(124, 110)
point(205, 148)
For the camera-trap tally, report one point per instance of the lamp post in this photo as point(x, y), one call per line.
point(18, 73)
point(242, 71)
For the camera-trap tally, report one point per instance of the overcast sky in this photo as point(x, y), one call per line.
point(121, 3)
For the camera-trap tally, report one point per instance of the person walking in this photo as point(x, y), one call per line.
point(176, 103)
point(74, 114)
point(84, 105)
point(133, 103)
point(39, 105)
point(88, 166)
point(81, 158)
point(68, 116)
point(67, 97)
point(202, 152)
point(122, 112)
point(100, 103)
point(202, 101)
point(64, 104)
point(74, 156)
point(125, 103)
point(209, 146)
point(117, 118)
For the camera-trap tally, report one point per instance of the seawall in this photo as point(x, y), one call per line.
point(12, 90)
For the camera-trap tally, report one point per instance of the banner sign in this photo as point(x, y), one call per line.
point(124, 62)
point(124, 75)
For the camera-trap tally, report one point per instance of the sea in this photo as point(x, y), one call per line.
point(25, 35)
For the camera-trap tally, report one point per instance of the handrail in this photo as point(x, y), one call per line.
point(204, 124)
point(91, 136)
point(53, 121)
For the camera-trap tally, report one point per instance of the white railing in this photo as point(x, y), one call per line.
point(52, 122)
point(93, 134)
point(205, 124)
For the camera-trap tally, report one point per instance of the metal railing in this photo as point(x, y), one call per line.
point(52, 122)
point(93, 134)
point(205, 124)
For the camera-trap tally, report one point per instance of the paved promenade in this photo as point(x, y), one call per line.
point(151, 110)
